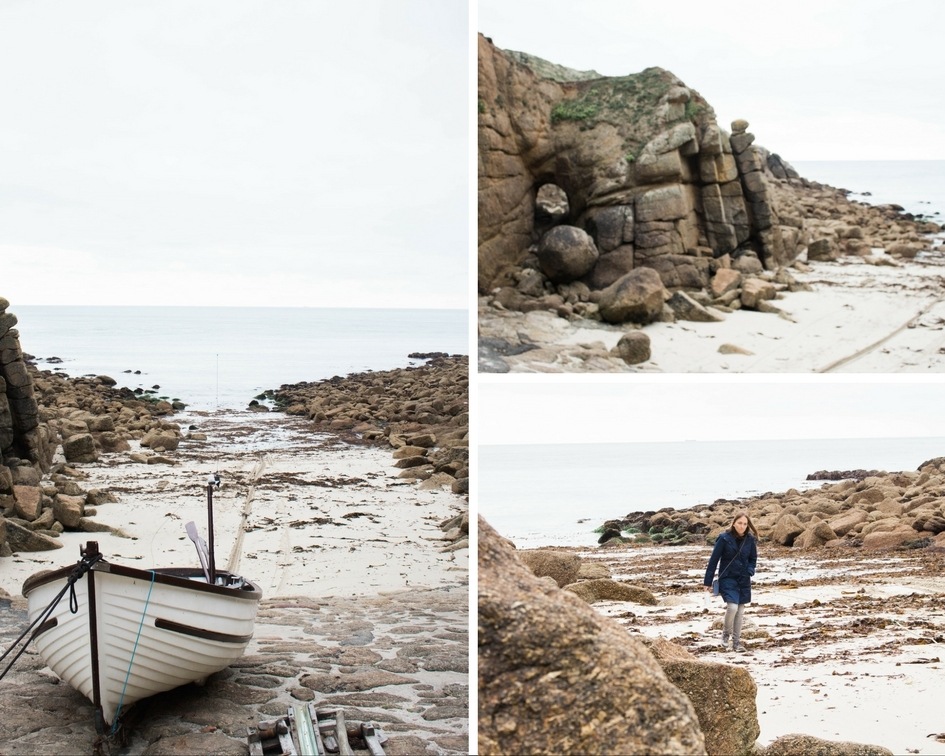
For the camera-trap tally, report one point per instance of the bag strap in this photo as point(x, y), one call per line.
point(734, 557)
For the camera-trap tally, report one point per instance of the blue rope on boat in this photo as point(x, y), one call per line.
point(131, 661)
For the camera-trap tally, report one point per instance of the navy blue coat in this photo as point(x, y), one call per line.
point(736, 562)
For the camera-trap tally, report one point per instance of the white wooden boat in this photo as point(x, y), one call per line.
point(138, 632)
point(119, 634)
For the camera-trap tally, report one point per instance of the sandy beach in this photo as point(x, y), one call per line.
point(344, 551)
point(842, 645)
point(862, 315)
point(301, 515)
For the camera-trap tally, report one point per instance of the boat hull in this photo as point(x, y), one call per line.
point(140, 632)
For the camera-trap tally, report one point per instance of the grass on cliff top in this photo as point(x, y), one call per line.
point(626, 102)
point(615, 99)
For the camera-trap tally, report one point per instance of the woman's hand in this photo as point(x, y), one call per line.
point(708, 588)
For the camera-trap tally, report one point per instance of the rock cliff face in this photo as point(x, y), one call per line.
point(49, 423)
point(637, 164)
point(20, 432)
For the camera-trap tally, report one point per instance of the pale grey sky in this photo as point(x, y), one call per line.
point(816, 79)
point(596, 409)
point(234, 152)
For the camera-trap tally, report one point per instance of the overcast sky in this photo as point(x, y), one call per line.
point(234, 152)
point(548, 409)
point(816, 79)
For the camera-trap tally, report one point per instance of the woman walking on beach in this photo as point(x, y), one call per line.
point(735, 555)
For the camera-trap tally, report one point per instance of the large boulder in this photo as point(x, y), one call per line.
point(24, 539)
point(605, 589)
point(816, 535)
point(823, 250)
point(891, 539)
point(161, 438)
point(792, 745)
point(636, 297)
point(755, 291)
point(561, 567)
point(686, 308)
point(80, 448)
point(29, 501)
point(787, 529)
point(101, 423)
point(847, 521)
point(556, 677)
point(724, 281)
point(724, 698)
point(69, 510)
point(566, 253)
point(24, 475)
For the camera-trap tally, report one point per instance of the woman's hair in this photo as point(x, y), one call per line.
point(750, 528)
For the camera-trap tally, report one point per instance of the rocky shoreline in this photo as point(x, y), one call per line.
point(846, 610)
point(839, 646)
point(51, 424)
point(388, 646)
point(838, 227)
point(899, 510)
point(422, 412)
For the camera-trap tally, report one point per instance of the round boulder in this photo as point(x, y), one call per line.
point(561, 567)
point(566, 253)
point(633, 348)
point(787, 529)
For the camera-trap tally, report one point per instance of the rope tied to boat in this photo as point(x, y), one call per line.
point(131, 661)
point(85, 564)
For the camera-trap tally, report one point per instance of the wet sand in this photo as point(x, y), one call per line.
point(843, 644)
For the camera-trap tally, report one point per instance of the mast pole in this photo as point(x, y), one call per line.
point(91, 550)
point(214, 480)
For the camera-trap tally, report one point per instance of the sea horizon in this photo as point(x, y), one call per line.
point(212, 357)
point(14, 305)
point(918, 186)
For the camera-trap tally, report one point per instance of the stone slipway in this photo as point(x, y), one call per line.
point(400, 660)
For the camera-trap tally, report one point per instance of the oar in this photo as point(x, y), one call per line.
point(201, 545)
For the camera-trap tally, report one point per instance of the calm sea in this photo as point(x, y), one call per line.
point(916, 185)
point(556, 494)
point(222, 357)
